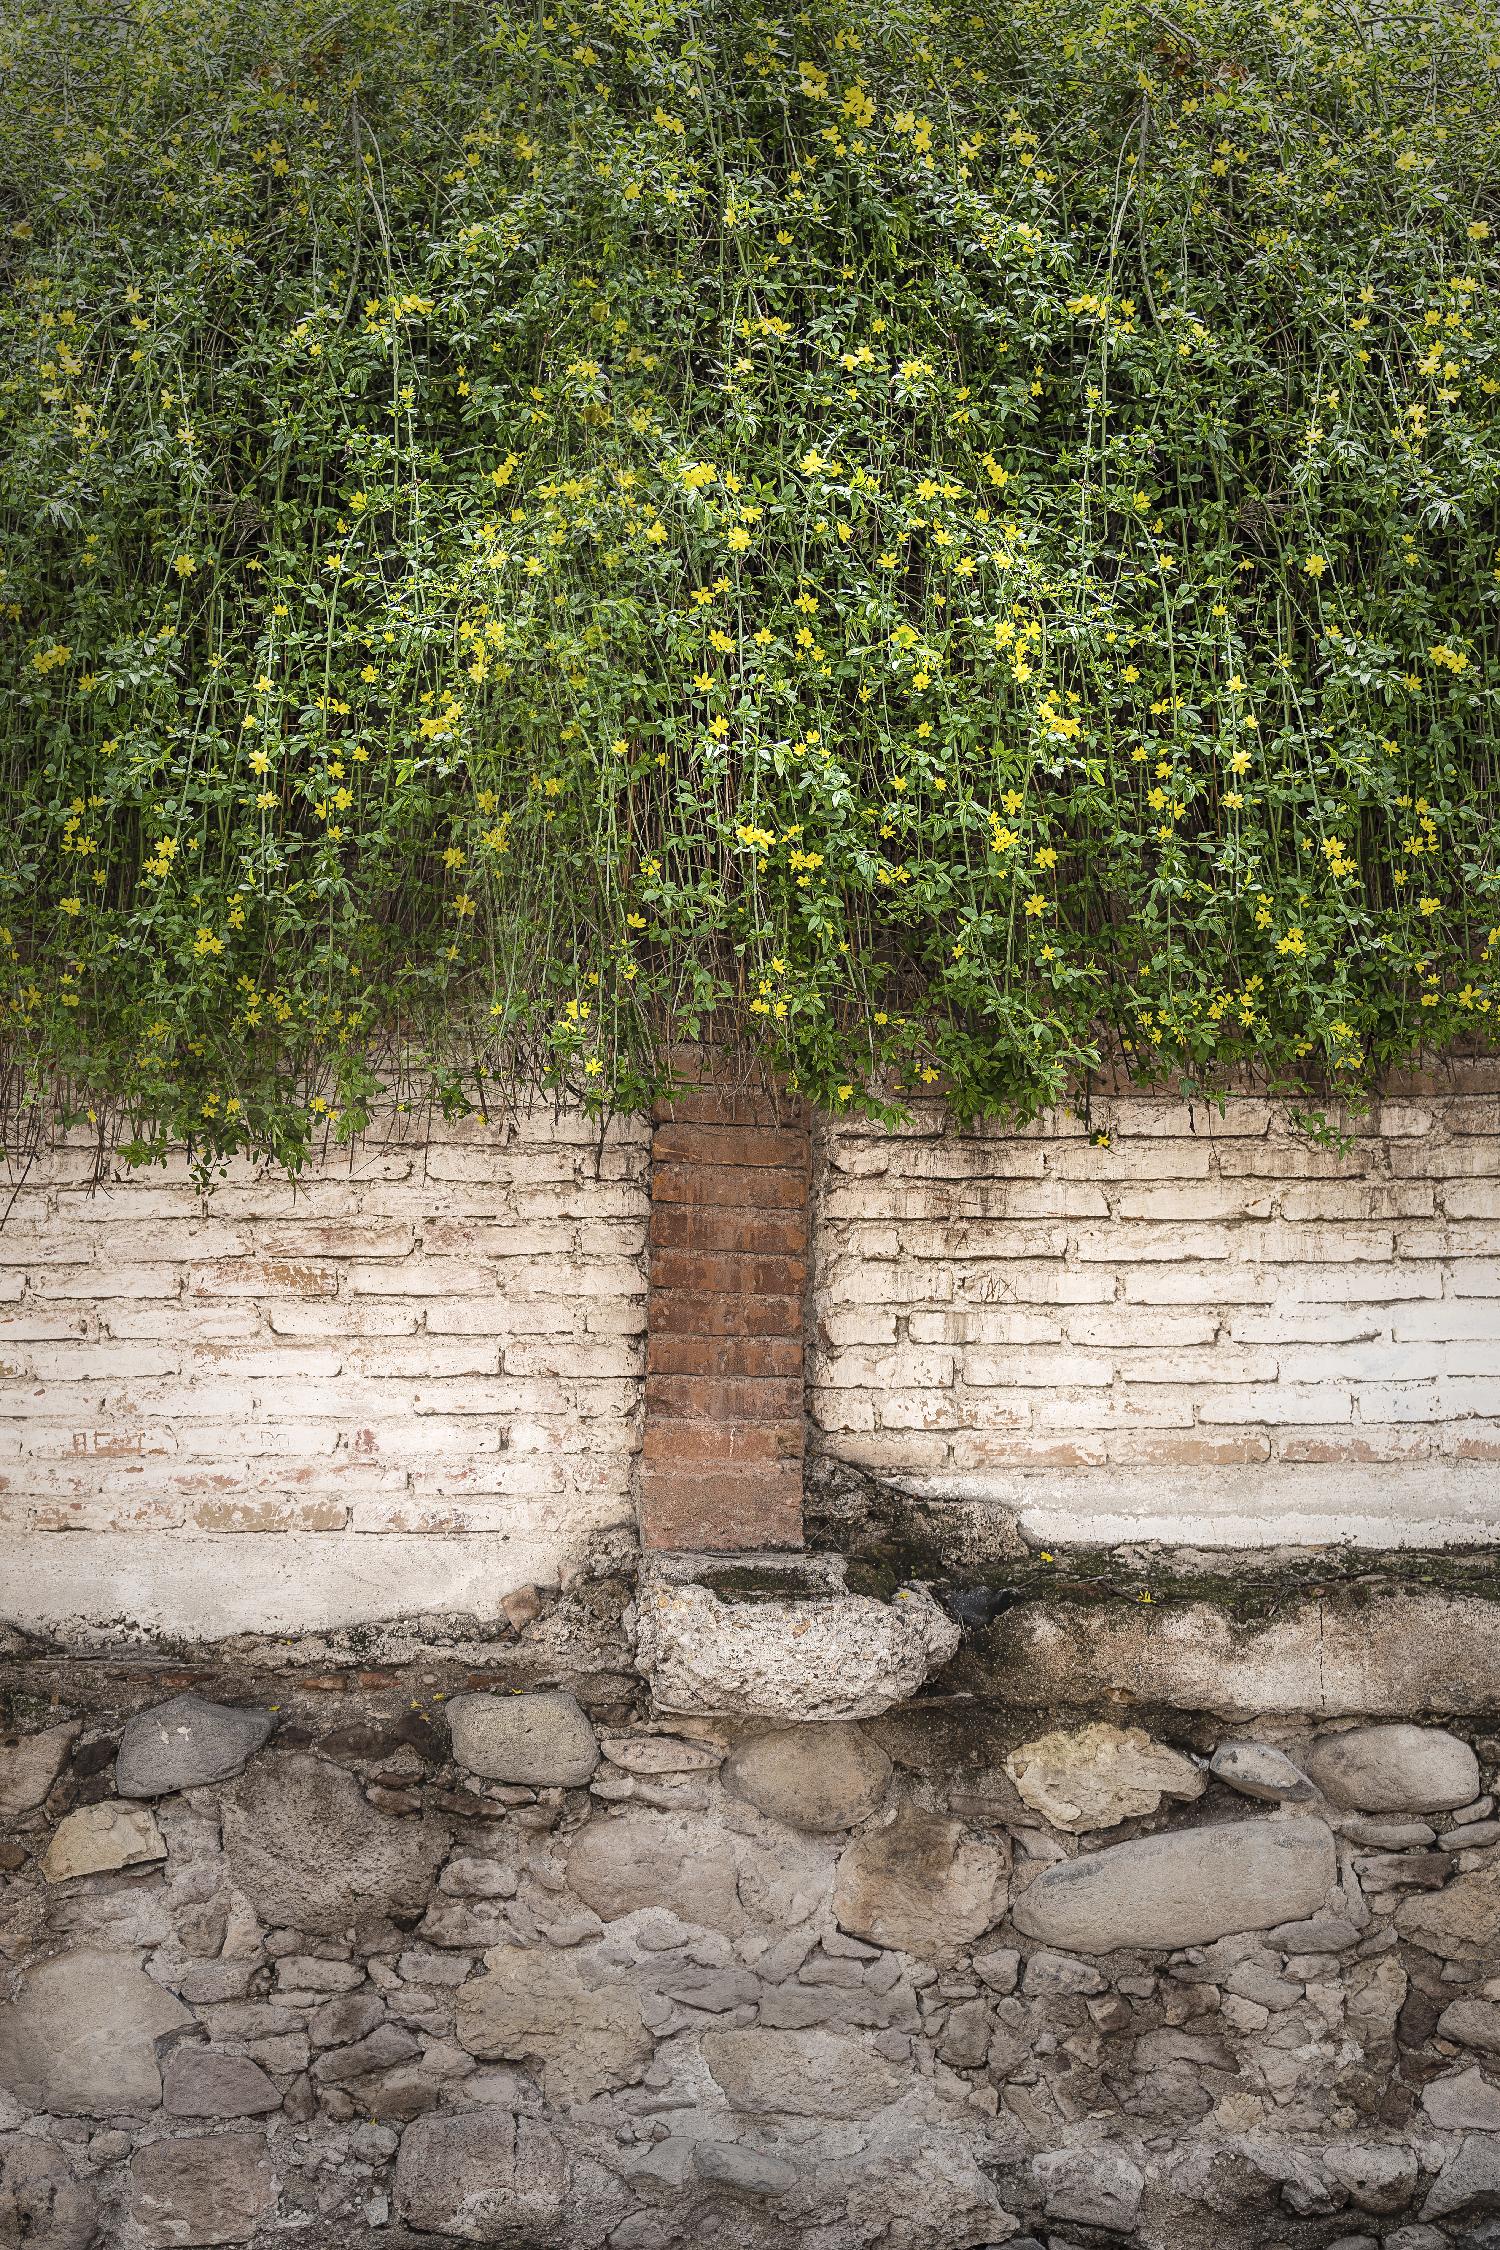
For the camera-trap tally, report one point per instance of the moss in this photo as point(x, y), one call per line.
point(1248, 1591)
point(751, 1582)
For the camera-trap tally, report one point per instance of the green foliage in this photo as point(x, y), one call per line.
point(956, 544)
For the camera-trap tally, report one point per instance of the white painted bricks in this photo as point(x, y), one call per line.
point(433, 1344)
point(1211, 1329)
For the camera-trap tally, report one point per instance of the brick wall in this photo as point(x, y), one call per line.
point(420, 1380)
point(726, 1423)
point(1210, 1329)
point(421, 1369)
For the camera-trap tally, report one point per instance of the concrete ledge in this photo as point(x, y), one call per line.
point(1378, 1653)
point(109, 1586)
point(1365, 1504)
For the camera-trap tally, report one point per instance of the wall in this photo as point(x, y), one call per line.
point(948, 1979)
point(1210, 1330)
point(416, 1382)
point(411, 1383)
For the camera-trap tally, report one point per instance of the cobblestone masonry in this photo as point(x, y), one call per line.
point(326, 1967)
point(1211, 1329)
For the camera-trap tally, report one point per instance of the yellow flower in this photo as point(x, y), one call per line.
point(1315, 565)
point(184, 566)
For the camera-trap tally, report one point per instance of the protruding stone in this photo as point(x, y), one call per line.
point(1395, 1769)
point(634, 1859)
point(821, 1778)
point(1463, 2102)
point(200, 2082)
point(1459, 1923)
point(801, 2073)
point(661, 1754)
point(1186, 1888)
point(483, 2175)
point(43, 2205)
point(826, 1655)
point(1094, 1777)
point(211, 2189)
point(101, 1839)
point(311, 1854)
point(381, 2049)
point(588, 2036)
point(1385, 1835)
point(347, 2017)
point(186, 1744)
point(1092, 2187)
point(1000, 1969)
point(746, 2171)
point(1471, 2175)
point(1380, 2179)
point(80, 2040)
point(1472, 2023)
point(543, 1740)
point(29, 1767)
point(1258, 1770)
point(921, 1884)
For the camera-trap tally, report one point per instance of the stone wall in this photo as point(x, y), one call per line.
point(300, 1948)
point(1171, 1323)
point(412, 1381)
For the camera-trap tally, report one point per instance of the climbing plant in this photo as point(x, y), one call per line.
point(957, 546)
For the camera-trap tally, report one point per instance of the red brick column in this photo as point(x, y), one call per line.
point(721, 1464)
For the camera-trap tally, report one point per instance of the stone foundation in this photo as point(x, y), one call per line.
point(444, 1936)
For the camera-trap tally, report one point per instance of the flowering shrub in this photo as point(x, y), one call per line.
point(955, 543)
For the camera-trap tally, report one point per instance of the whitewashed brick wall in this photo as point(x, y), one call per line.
point(411, 1382)
point(414, 1382)
point(1210, 1330)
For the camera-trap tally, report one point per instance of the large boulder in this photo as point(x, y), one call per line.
point(186, 1744)
point(816, 1777)
point(43, 2206)
point(542, 1740)
point(310, 1853)
point(539, 2006)
point(640, 1858)
point(822, 1656)
point(1458, 1923)
point(1094, 1777)
point(100, 1840)
point(484, 2175)
point(802, 2073)
point(921, 1884)
point(1186, 1888)
point(214, 2188)
point(80, 2040)
point(29, 1767)
point(1392, 1769)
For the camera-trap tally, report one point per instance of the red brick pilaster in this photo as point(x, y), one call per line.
point(721, 1463)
